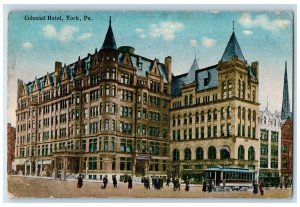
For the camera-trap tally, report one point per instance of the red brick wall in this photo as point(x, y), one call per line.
point(11, 133)
point(287, 139)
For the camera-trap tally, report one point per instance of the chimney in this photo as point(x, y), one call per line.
point(20, 88)
point(58, 66)
point(255, 69)
point(168, 62)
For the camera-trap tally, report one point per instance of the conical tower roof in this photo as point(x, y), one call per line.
point(109, 41)
point(232, 49)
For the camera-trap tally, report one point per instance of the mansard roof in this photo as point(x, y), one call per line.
point(140, 63)
point(143, 65)
point(232, 49)
point(205, 78)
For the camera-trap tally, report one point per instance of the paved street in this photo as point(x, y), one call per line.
point(49, 188)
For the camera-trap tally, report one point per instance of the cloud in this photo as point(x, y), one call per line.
point(139, 30)
point(208, 42)
point(140, 33)
point(85, 36)
point(247, 32)
point(166, 30)
point(64, 35)
point(263, 22)
point(194, 43)
point(27, 45)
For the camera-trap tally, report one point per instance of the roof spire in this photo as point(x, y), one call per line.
point(233, 26)
point(109, 41)
point(285, 110)
point(267, 103)
point(232, 49)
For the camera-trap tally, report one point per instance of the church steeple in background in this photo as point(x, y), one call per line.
point(285, 110)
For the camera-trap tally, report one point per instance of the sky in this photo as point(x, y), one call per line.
point(266, 37)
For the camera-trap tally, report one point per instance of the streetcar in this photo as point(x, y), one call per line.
point(226, 178)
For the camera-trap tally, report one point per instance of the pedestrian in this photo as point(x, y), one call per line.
point(147, 181)
point(115, 181)
point(129, 182)
point(224, 185)
point(210, 186)
point(161, 182)
point(204, 186)
point(168, 181)
point(79, 182)
point(255, 187)
point(153, 182)
point(187, 184)
point(105, 181)
point(261, 188)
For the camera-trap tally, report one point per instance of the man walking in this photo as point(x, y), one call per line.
point(79, 182)
point(129, 182)
point(105, 181)
point(204, 186)
point(115, 181)
point(261, 188)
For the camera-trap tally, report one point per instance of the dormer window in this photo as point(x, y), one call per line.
point(140, 66)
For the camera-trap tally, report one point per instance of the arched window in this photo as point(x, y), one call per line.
point(107, 73)
point(243, 89)
point(243, 113)
point(185, 118)
point(228, 111)
point(224, 91)
point(239, 88)
point(229, 88)
point(199, 153)
point(178, 119)
point(249, 114)
point(197, 117)
point(187, 154)
point(176, 155)
point(254, 115)
point(107, 90)
point(265, 120)
point(212, 153)
point(174, 121)
point(239, 112)
point(113, 91)
point(241, 152)
point(209, 115)
point(222, 112)
point(225, 153)
point(251, 153)
point(191, 99)
point(253, 96)
point(185, 100)
point(190, 118)
point(114, 74)
point(215, 114)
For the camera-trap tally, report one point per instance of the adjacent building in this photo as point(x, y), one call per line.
point(270, 147)
point(106, 113)
point(286, 133)
point(214, 115)
point(11, 136)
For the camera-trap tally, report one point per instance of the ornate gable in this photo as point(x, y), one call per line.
point(127, 60)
